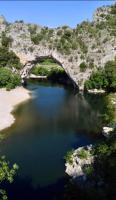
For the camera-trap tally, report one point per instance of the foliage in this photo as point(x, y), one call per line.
point(32, 28)
point(113, 9)
point(69, 156)
point(110, 114)
point(6, 41)
point(9, 59)
point(40, 71)
point(83, 154)
point(104, 78)
point(8, 79)
point(110, 73)
point(59, 32)
point(47, 67)
point(7, 173)
point(83, 67)
point(37, 38)
point(45, 34)
point(89, 170)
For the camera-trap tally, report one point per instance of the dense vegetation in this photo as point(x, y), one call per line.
point(46, 68)
point(101, 174)
point(52, 70)
point(7, 174)
point(6, 41)
point(8, 79)
point(8, 62)
point(104, 167)
point(9, 59)
point(65, 39)
point(103, 78)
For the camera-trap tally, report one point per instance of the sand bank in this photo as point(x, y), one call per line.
point(8, 100)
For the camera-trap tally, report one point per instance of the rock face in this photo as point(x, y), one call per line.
point(76, 169)
point(108, 130)
point(2, 20)
point(90, 42)
point(96, 91)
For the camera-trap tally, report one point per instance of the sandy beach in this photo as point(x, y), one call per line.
point(8, 100)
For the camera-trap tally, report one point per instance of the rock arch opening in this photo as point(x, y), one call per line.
point(47, 68)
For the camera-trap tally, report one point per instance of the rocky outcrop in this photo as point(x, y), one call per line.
point(88, 43)
point(77, 168)
point(33, 76)
point(2, 20)
point(96, 91)
point(109, 131)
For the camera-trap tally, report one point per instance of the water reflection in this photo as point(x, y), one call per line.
point(47, 126)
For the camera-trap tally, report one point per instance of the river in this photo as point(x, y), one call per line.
point(53, 122)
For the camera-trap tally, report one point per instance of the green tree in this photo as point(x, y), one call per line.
point(9, 59)
point(83, 67)
point(7, 173)
point(9, 79)
point(6, 41)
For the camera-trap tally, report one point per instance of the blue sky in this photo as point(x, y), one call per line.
point(50, 13)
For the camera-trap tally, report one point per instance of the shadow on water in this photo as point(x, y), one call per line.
point(47, 126)
point(22, 189)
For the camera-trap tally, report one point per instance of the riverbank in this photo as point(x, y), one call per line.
point(8, 100)
point(93, 168)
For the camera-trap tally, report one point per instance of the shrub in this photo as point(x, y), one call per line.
point(7, 174)
point(42, 71)
point(8, 79)
point(104, 78)
point(113, 9)
point(83, 154)
point(83, 67)
point(36, 38)
point(32, 29)
point(9, 59)
point(69, 157)
point(59, 32)
point(6, 41)
point(89, 170)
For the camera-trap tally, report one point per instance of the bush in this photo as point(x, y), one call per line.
point(8, 79)
point(6, 41)
point(68, 158)
point(7, 174)
point(113, 9)
point(104, 78)
point(83, 67)
point(36, 38)
point(83, 154)
point(41, 71)
point(9, 59)
point(89, 170)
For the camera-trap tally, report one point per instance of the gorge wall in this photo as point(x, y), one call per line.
point(92, 43)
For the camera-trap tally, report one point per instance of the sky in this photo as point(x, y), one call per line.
point(50, 13)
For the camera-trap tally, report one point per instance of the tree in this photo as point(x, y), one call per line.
point(9, 59)
point(9, 79)
point(6, 41)
point(110, 73)
point(104, 78)
point(83, 67)
point(7, 173)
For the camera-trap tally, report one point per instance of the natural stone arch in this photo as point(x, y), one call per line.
point(25, 72)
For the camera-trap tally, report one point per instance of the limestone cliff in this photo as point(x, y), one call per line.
point(92, 43)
